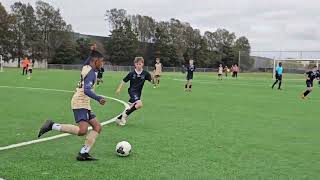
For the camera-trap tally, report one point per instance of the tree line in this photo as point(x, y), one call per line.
point(40, 32)
point(175, 42)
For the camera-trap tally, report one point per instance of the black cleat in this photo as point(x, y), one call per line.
point(85, 157)
point(46, 127)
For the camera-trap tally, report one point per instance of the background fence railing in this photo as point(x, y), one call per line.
point(125, 68)
point(167, 69)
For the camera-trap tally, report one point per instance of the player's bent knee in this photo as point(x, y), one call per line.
point(82, 132)
point(97, 128)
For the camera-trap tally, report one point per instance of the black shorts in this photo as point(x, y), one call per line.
point(83, 115)
point(134, 96)
point(156, 76)
point(309, 83)
point(30, 71)
point(219, 74)
point(279, 77)
point(189, 76)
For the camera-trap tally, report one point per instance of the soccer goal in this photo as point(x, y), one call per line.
point(295, 66)
point(1, 63)
point(295, 63)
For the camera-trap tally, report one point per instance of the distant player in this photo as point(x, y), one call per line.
point(220, 72)
point(235, 70)
point(157, 73)
point(100, 76)
point(279, 71)
point(81, 107)
point(226, 71)
point(25, 64)
point(137, 77)
point(30, 70)
point(311, 75)
point(190, 69)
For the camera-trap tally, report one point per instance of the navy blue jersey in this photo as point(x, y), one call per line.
point(137, 80)
point(100, 73)
point(313, 74)
point(190, 69)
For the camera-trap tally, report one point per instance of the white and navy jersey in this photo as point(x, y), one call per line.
point(100, 73)
point(84, 91)
point(30, 66)
point(190, 69)
point(137, 80)
point(313, 74)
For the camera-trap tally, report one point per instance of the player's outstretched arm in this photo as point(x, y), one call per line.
point(88, 82)
point(120, 88)
point(125, 80)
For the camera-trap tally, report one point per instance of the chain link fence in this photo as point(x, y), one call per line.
point(124, 68)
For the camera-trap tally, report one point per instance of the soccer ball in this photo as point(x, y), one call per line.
point(123, 148)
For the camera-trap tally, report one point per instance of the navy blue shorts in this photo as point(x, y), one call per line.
point(309, 83)
point(189, 76)
point(279, 77)
point(134, 97)
point(83, 115)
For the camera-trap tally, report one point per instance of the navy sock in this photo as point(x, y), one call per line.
point(306, 93)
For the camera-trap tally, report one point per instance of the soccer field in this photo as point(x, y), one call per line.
point(230, 129)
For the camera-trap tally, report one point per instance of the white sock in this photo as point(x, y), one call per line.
point(85, 149)
point(56, 127)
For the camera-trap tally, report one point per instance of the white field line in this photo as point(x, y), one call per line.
point(60, 135)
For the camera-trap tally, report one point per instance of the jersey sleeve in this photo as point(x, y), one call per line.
point(127, 78)
point(308, 73)
point(89, 80)
point(148, 76)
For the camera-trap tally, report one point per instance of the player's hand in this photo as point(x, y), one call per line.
point(102, 101)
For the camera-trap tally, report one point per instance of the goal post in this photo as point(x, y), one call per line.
point(1, 63)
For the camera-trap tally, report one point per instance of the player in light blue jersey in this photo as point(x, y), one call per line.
point(279, 71)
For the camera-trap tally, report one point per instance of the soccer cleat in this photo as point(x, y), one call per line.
point(46, 127)
point(119, 121)
point(85, 157)
point(124, 118)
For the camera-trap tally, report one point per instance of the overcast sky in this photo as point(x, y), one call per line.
point(269, 24)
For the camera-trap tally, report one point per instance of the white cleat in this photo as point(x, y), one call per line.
point(118, 121)
point(123, 120)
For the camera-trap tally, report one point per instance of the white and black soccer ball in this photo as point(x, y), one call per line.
point(123, 148)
